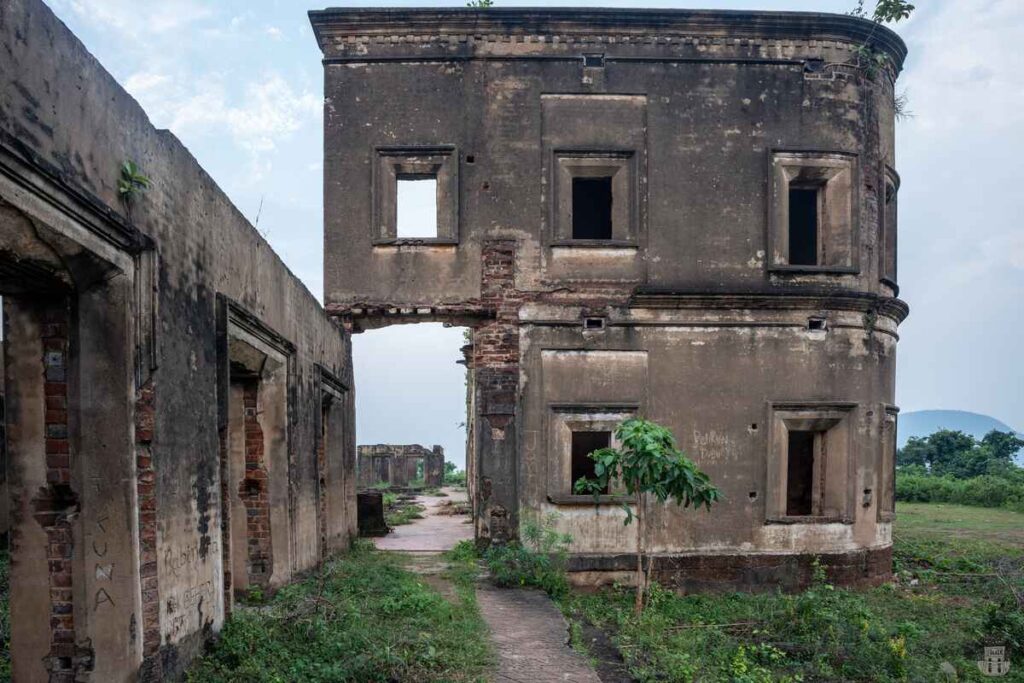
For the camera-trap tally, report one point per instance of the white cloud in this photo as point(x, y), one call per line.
point(966, 66)
point(265, 112)
point(131, 17)
point(144, 81)
point(274, 33)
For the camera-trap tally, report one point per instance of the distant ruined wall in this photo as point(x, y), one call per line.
point(132, 460)
point(398, 465)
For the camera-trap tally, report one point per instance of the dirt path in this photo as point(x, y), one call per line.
point(529, 633)
point(435, 532)
point(531, 638)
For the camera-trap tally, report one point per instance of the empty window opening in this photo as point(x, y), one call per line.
point(803, 226)
point(593, 323)
point(816, 324)
point(416, 207)
point(593, 61)
point(470, 159)
point(800, 474)
point(583, 444)
point(592, 208)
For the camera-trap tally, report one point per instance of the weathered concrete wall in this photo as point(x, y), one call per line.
point(694, 312)
point(398, 465)
point(162, 307)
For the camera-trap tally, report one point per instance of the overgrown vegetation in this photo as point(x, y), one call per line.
point(453, 476)
point(403, 512)
point(953, 467)
point(131, 184)
point(959, 588)
point(538, 561)
point(886, 11)
point(364, 617)
point(646, 464)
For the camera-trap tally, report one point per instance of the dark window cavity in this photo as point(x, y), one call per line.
point(583, 444)
point(803, 226)
point(800, 474)
point(592, 208)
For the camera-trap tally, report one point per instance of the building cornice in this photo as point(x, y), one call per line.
point(891, 307)
point(618, 25)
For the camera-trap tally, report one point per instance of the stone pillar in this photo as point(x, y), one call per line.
point(496, 397)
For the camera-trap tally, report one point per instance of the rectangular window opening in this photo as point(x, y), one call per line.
point(592, 208)
point(416, 201)
point(800, 473)
point(803, 226)
point(583, 444)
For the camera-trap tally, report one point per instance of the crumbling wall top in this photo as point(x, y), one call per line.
point(336, 26)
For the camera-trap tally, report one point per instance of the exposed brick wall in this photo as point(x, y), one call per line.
point(495, 364)
point(254, 491)
point(145, 473)
point(55, 504)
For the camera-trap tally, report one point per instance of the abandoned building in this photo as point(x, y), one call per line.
point(399, 466)
point(684, 215)
point(178, 410)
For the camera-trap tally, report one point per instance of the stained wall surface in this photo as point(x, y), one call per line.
point(694, 310)
point(140, 317)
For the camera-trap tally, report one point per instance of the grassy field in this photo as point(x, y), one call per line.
point(959, 570)
point(364, 617)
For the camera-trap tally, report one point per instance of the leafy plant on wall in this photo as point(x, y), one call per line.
point(131, 184)
point(647, 463)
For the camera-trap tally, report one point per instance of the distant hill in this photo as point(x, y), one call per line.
point(925, 422)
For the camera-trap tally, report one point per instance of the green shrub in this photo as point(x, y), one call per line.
point(538, 562)
point(914, 485)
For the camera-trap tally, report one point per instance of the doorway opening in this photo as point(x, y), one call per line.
point(412, 401)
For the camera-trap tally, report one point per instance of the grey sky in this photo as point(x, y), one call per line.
point(239, 81)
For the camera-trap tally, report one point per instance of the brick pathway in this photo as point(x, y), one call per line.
point(531, 638)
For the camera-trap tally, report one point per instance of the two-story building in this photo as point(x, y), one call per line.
point(684, 215)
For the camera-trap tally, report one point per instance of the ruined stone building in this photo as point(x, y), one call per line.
point(399, 465)
point(685, 215)
point(178, 406)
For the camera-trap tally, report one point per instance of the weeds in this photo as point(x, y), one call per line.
point(959, 588)
point(365, 618)
point(403, 514)
point(538, 562)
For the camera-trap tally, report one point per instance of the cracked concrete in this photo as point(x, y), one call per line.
point(531, 638)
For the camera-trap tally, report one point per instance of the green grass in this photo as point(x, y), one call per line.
point(400, 514)
point(957, 570)
point(364, 617)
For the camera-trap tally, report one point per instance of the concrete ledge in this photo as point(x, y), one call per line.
point(750, 572)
